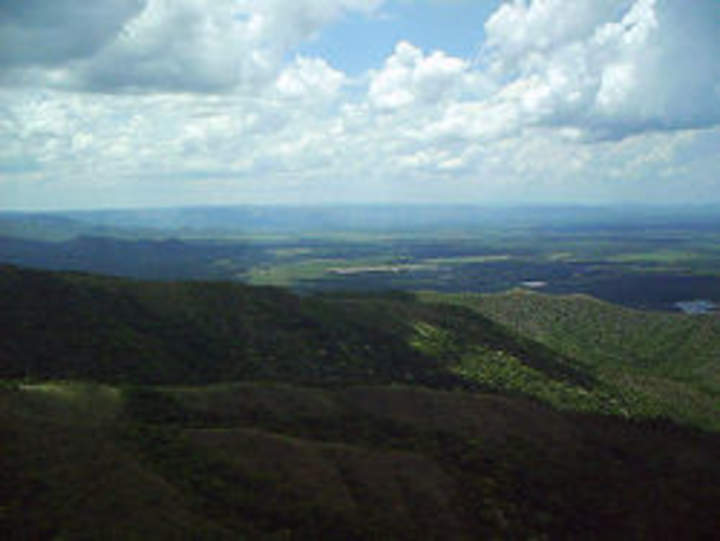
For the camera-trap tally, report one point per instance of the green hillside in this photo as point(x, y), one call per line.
point(669, 362)
point(79, 326)
point(572, 352)
point(169, 410)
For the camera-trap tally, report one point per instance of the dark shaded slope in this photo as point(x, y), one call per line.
point(370, 462)
point(63, 473)
point(80, 326)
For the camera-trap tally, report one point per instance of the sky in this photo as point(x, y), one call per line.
point(157, 103)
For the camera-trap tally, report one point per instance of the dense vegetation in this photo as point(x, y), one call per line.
point(221, 411)
point(118, 330)
point(665, 364)
point(264, 461)
point(112, 329)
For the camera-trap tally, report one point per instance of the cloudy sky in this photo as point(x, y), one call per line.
point(129, 103)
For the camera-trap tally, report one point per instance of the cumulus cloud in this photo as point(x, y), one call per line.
point(288, 23)
point(214, 99)
point(159, 45)
point(604, 66)
point(409, 76)
point(184, 45)
point(518, 29)
point(590, 70)
point(309, 79)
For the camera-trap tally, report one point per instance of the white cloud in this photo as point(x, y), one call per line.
point(310, 79)
point(185, 99)
point(518, 30)
point(595, 70)
point(474, 121)
point(161, 45)
point(409, 76)
point(604, 66)
point(288, 23)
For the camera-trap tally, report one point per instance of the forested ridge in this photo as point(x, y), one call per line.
point(223, 411)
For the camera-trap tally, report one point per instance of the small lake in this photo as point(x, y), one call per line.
point(699, 306)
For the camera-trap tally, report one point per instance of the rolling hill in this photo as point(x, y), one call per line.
point(268, 461)
point(669, 362)
point(73, 325)
point(222, 411)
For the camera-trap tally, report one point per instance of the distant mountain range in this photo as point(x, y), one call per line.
point(373, 218)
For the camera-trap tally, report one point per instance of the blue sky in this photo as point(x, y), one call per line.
point(358, 44)
point(133, 103)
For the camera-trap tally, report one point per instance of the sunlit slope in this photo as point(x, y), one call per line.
point(259, 461)
point(669, 361)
